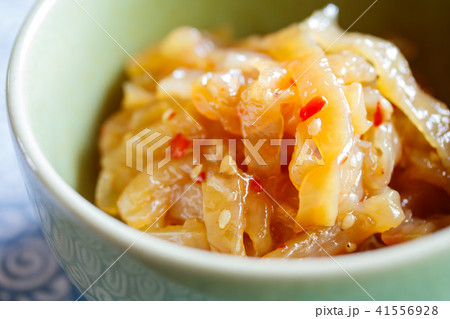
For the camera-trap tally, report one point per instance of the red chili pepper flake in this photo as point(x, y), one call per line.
point(201, 177)
point(172, 115)
point(292, 82)
point(283, 246)
point(242, 111)
point(178, 146)
point(378, 116)
point(256, 185)
point(312, 107)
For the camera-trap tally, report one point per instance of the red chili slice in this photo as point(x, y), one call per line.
point(312, 107)
point(378, 116)
point(201, 177)
point(292, 82)
point(172, 115)
point(344, 160)
point(256, 185)
point(283, 246)
point(178, 146)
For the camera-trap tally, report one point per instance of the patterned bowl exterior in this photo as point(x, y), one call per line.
point(85, 256)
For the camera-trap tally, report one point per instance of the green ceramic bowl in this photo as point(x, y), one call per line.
point(63, 80)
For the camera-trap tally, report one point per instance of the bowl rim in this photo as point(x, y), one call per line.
point(151, 249)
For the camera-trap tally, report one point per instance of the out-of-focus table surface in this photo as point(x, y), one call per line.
point(28, 270)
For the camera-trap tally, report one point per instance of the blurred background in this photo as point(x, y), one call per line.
point(28, 270)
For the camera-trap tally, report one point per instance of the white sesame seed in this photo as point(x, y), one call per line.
point(364, 144)
point(350, 247)
point(228, 165)
point(224, 218)
point(386, 105)
point(314, 127)
point(348, 221)
point(167, 114)
point(196, 171)
point(354, 162)
point(386, 108)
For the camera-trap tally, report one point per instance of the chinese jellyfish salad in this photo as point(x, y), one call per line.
point(369, 168)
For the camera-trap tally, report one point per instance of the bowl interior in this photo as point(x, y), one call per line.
point(75, 62)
